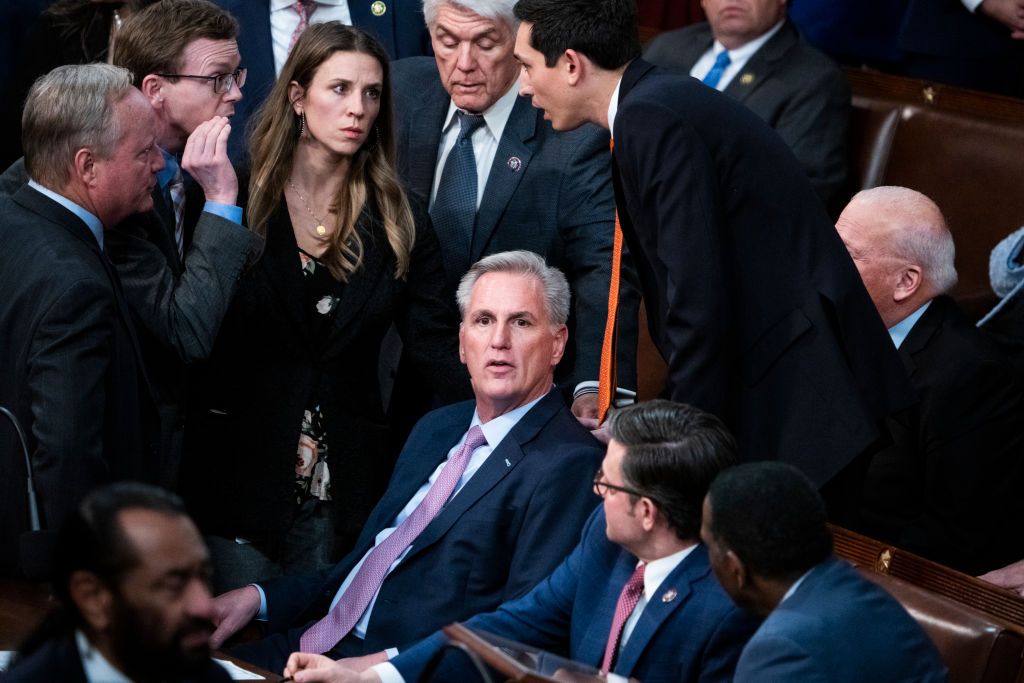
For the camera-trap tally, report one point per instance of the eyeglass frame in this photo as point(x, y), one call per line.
point(237, 78)
point(598, 485)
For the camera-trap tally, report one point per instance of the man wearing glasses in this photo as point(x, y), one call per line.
point(637, 596)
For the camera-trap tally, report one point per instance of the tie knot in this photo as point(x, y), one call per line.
point(468, 123)
point(722, 60)
point(474, 439)
point(177, 178)
point(304, 8)
point(637, 579)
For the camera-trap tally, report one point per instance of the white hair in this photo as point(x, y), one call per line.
point(556, 287)
point(499, 10)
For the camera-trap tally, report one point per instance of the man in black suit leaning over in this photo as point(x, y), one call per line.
point(528, 187)
point(751, 297)
point(753, 53)
point(71, 368)
point(949, 487)
point(453, 536)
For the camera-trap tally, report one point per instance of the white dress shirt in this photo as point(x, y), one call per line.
point(485, 140)
point(971, 5)
point(96, 667)
point(655, 574)
point(738, 57)
point(284, 20)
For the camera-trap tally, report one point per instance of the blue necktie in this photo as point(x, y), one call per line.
point(722, 62)
point(454, 210)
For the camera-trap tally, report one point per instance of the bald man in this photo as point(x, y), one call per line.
point(949, 487)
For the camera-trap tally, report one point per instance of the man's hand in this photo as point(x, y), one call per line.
point(365, 662)
point(310, 668)
point(232, 611)
point(1010, 13)
point(585, 406)
point(1010, 577)
point(206, 160)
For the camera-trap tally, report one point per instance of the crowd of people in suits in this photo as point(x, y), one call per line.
point(361, 283)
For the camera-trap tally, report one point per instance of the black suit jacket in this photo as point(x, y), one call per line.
point(949, 487)
point(249, 402)
point(512, 523)
point(547, 192)
point(71, 367)
point(797, 90)
point(59, 660)
point(751, 296)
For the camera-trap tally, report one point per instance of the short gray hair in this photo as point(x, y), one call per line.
point(491, 9)
point(556, 287)
point(919, 235)
point(70, 108)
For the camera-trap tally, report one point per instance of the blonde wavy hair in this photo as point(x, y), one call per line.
point(371, 174)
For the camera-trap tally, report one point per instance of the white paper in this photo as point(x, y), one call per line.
point(237, 673)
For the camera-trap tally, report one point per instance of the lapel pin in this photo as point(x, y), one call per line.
point(378, 8)
point(507, 463)
point(747, 78)
point(669, 595)
point(515, 163)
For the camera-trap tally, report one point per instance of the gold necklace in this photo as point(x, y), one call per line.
point(321, 229)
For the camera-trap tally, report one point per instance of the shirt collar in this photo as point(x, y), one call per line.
point(744, 52)
point(276, 5)
point(97, 668)
point(495, 117)
point(796, 584)
point(658, 570)
point(90, 220)
point(170, 168)
point(900, 330)
point(497, 429)
point(613, 109)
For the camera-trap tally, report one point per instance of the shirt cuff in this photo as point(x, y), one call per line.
point(262, 614)
point(228, 212)
point(391, 652)
point(623, 397)
point(971, 5)
point(387, 672)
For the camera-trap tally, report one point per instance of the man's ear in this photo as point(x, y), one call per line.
point(152, 87)
point(84, 166)
point(909, 282)
point(574, 65)
point(92, 598)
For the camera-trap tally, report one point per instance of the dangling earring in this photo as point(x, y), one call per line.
point(302, 124)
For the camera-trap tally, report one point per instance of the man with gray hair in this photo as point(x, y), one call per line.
point(497, 176)
point(488, 496)
point(70, 368)
point(949, 486)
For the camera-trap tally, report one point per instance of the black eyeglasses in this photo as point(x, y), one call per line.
point(221, 82)
point(601, 487)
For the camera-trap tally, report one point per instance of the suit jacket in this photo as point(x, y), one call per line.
point(248, 406)
point(177, 311)
point(752, 298)
point(59, 660)
point(797, 90)
point(692, 633)
point(949, 487)
point(841, 628)
point(510, 525)
point(71, 367)
point(401, 29)
point(557, 202)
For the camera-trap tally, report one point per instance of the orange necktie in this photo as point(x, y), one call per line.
point(606, 378)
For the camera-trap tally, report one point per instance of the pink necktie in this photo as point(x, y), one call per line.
point(628, 598)
point(326, 633)
point(304, 8)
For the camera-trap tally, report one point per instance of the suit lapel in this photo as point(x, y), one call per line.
point(506, 172)
point(762, 63)
point(423, 136)
point(594, 642)
point(662, 604)
point(162, 234)
point(636, 70)
point(280, 264)
point(921, 334)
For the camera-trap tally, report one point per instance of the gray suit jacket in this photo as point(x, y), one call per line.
point(547, 192)
point(797, 90)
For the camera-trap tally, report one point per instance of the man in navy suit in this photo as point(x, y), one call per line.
point(637, 596)
point(532, 188)
point(509, 515)
point(752, 300)
point(771, 549)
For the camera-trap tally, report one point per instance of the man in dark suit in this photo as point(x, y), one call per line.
point(771, 549)
point(71, 369)
point(636, 597)
point(753, 53)
point(268, 27)
point(949, 487)
point(132, 580)
point(531, 188)
point(517, 507)
point(752, 299)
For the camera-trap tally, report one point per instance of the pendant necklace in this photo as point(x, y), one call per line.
point(321, 229)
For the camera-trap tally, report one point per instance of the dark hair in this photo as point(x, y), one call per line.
point(153, 40)
point(604, 30)
point(673, 452)
point(770, 515)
